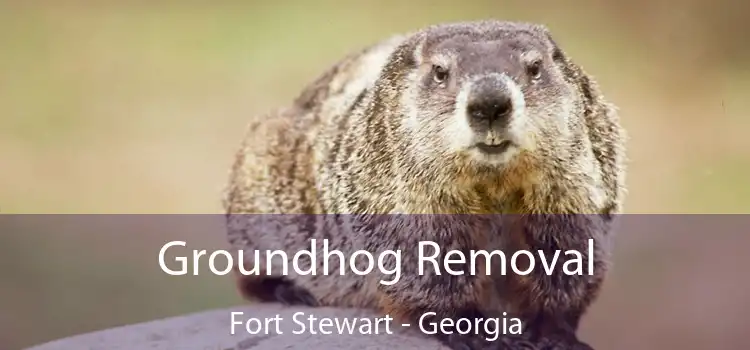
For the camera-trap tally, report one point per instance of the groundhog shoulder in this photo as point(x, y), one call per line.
point(283, 151)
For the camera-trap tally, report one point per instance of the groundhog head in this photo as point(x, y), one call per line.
point(483, 94)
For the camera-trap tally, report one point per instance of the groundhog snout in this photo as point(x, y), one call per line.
point(491, 103)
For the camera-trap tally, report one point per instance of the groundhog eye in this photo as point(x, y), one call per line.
point(439, 73)
point(534, 69)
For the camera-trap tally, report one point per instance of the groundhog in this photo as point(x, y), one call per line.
point(481, 118)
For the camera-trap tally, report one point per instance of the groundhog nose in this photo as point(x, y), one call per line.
point(490, 101)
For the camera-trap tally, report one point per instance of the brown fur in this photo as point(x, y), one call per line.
point(368, 137)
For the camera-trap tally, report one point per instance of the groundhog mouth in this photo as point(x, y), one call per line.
point(494, 149)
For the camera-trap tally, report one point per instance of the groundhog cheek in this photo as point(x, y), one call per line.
point(455, 133)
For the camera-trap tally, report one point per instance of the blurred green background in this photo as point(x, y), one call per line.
point(137, 107)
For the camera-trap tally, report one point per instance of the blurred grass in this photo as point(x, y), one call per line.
point(115, 107)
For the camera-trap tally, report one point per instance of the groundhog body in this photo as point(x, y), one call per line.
point(465, 118)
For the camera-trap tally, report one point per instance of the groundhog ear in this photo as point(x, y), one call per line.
point(557, 53)
point(418, 49)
